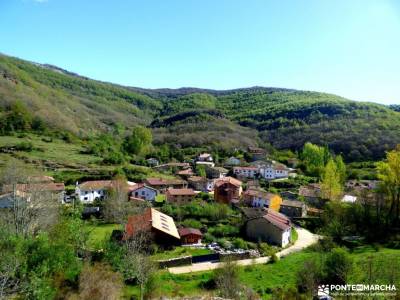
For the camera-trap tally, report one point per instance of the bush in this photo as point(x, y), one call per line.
point(240, 243)
point(113, 158)
point(192, 223)
point(24, 146)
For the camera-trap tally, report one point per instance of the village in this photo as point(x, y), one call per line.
point(208, 211)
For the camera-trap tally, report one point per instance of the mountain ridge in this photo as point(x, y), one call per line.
point(283, 118)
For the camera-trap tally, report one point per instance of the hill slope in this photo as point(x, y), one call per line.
point(284, 118)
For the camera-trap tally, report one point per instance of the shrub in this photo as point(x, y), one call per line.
point(24, 146)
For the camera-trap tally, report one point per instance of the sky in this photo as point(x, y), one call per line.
point(347, 47)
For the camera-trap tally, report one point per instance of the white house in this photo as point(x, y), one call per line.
point(349, 199)
point(205, 157)
point(89, 191)
point(248, 172)
point(274, 171)
point(142, 191)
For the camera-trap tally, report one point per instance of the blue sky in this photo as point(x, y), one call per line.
point(347, 47)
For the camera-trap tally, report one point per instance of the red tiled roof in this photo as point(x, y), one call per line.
point(31, 187)
point(197, 179)
point(259, 193)
point(228, 179)
point(185, 172)
point(277, 219)
point(187, 231)
point(181, 192)
point(95, 184)
point(162, 181)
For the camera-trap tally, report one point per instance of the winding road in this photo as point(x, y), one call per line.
point(304, 240)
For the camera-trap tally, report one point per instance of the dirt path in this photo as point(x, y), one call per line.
point(305, 239)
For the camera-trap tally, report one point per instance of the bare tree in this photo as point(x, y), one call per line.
point(34, 207)
point(99, 282)
point(227, 280)
point(138, 265)
point(117, 208)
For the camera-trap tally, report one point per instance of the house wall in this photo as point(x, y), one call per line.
point(226, 192)
point(145, 193)
point(179, 199)
point(261, 229)
point(191, 239)
point(88, 196)
point(293, 211)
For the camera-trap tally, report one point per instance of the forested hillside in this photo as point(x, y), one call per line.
point(284, 118)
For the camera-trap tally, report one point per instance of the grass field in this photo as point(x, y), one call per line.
point(98, 233)
point(57, 151)
point(262, 278)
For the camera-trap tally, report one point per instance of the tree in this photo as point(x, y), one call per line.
point(309, 276)
point(33, 207)
point(201, 171)
point(116, 207)
point(227, 279)
point(137, 263)
point(331, 187)
point(139, 141)
point(314, 157)
point(389, 174)
point(341, 169)
point(100, 282)
point(338, 265)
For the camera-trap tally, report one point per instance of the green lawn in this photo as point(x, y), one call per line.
point(261, 278)
point(179, 252)
point(99, 233)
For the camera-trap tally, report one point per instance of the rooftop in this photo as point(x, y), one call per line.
point(181, 192)
point(228, 179)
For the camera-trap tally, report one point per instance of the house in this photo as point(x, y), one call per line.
point(289, 195)
point(292, 162)
point(56, 190)
point(256, 153)
point(180, 196)
point(270, 226)
point(227, 190)
point(205, 157)
point(90, 191)
point(273, 170)
point(160, 226)
point(186, 173)
point(7, 200)
point(260, 198)
point(359, 185)
point(232, 161)
point(253, 184)
point(245, 172)
point(216, 172)
point(349, 199)
point(293, 208)
point(152, 162)
point(202, 184)
point(311, 193)
point(161, 184)
point(144, 192)
point(190, 236)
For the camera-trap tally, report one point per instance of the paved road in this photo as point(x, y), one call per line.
point(305, 239)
